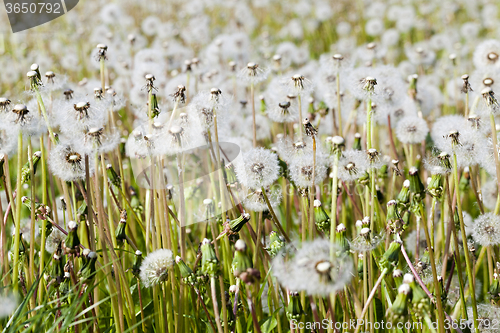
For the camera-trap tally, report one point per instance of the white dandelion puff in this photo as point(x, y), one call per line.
point(155, 267)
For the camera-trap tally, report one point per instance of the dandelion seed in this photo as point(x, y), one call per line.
point(486, 229)
point(155, 267)
point(253, 73)
point(411, 130)
point(7, 305)
point(257, 168)
point(67, 162)
point(312, 268)
point(352, 165)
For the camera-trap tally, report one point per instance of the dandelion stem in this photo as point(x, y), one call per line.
point(275, 218)
point(15, 276)
point(370, 298)
point(437, 286)
point(213, 288)
point(339, 113)
point(464, 238)
point(252, 99)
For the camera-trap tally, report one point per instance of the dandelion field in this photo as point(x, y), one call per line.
point(252, 166)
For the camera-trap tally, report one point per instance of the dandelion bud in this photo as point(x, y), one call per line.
point(135, 202)
point(263, 105)
point(321, 218)
point(420, 301)
point(136, 267)
point(26, 170)
point(364, 179)
point(84, 258)
point(155, 108)
point(394, 222)
point(365, 222)
point(88, 271)
point(357, 142)
point(365, 232)
point(494, 291)
point(391, 256)
point(57, 269)
point(412, 89)
point(113, 177)
point(398, 276)
point(241, 260)
point(361, 258)
point(294, 308)
point(229, 174)
point(239, 222)
point(403, 197)
point(398, 312)
point(436, 185)
point(209, 261)
point(416, 185)
point(72, 241)
point(341, 239)
point(276, 244)
point(120, 231)
point(186, 272)
point(464, 183)
point(338, 143)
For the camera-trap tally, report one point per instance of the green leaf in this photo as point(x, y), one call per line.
point(268, 324)
point(379, 311)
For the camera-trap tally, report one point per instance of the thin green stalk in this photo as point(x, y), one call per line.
point(31, 275)
point(254, 128)
point(15, 264)
point(311, 194)
point(468, 263)
point(43, 235)
point(495, 150)
point(339, 113)
point(370, 298)
point(301, 134)
point(275, 218)
point(333, 214)
point(213, 289)
point(437, 286)
point(369, 123)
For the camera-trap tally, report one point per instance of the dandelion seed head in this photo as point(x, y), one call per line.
point(312, 269)
point(257, 168)
point(486, 229)
point(155, 267)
